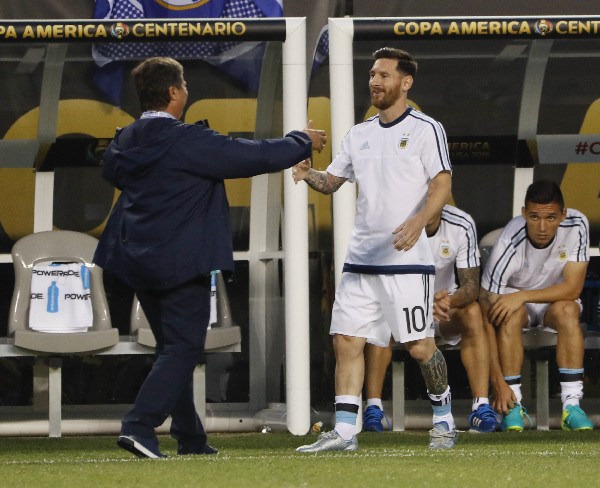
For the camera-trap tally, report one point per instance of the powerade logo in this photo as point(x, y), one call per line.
point(77, 296)
point(47, 272)
point(53, 297)
point(181, 4)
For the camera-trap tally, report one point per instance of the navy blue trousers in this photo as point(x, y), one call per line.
point(179, 319)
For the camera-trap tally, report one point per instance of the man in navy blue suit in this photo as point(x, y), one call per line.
point(169, 229)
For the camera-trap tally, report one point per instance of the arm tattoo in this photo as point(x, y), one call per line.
point(487, 298)
point(435, 373)
point(468, 279)
point(323, 182)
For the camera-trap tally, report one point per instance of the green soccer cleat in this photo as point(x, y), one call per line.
point(573, 418)
point(513, 420)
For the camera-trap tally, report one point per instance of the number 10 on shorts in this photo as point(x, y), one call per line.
point(415, 319)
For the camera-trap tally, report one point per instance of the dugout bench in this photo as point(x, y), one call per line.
point(538, 345)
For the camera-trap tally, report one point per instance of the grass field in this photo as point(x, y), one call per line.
point(527, 459)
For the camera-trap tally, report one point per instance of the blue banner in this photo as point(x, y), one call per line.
point(190, 9)
point(242, 62)
point(159, 9)
point(321, 49)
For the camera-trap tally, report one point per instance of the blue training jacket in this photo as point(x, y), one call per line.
point(171, 221)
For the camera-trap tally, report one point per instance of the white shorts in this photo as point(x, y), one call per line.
point(536, 313)
point(379, 306)
point(442, 340)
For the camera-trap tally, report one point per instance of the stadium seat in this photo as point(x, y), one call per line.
point(223, 336)
point(48, 247)
point(58, 246)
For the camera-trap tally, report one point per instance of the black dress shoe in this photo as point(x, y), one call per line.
point(205, 449)
point(143, 447)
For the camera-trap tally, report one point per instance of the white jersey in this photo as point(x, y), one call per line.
point(393, 165)
point(453, 245)
point(515, 264)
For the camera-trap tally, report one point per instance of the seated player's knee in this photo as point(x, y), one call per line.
point(515, 324)
point(421, 350)
point(470, 319)
point(566, 308)
point(563, 315)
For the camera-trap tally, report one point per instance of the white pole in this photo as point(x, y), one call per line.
point(44, 201)
point(341, 79)
point(297, 351)
point(341, 73)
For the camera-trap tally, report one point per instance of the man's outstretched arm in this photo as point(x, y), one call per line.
point(321, 181)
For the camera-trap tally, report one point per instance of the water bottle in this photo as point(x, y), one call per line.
point(85, 277)
point(52, 306)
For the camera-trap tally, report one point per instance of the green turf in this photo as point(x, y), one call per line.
point(528, 459)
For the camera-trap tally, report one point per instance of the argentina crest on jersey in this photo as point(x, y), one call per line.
point(445, 250)
point(562, 253)
point(404, 141)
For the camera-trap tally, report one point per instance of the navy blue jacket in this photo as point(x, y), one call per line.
point(171, 221)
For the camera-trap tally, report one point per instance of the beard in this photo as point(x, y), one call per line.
point(389, 98)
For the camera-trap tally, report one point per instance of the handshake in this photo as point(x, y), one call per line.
point(319, 139)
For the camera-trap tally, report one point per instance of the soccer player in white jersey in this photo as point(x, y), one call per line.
point(400, 160)
point(534, 277)
point(452, 238)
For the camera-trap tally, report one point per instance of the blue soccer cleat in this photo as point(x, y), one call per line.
point(484, 420)
point(372, 419)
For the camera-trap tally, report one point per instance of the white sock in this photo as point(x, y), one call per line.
point(441, 405)
point(345, 422)
point(448, 418)
point(345, 431)
point(376, 402)
point(517, 391)
point(479, 401)
point(571, 392)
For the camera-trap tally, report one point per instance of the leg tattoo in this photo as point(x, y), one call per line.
point(435, 373)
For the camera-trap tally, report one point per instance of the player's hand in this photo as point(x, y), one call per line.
point(503, 397)
point(408, 233)
point(441, 306)
point(300, 171)
point(317, 137)
point(501, 311)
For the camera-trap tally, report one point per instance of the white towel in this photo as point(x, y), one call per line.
point(213, 299)
point(60, 298)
